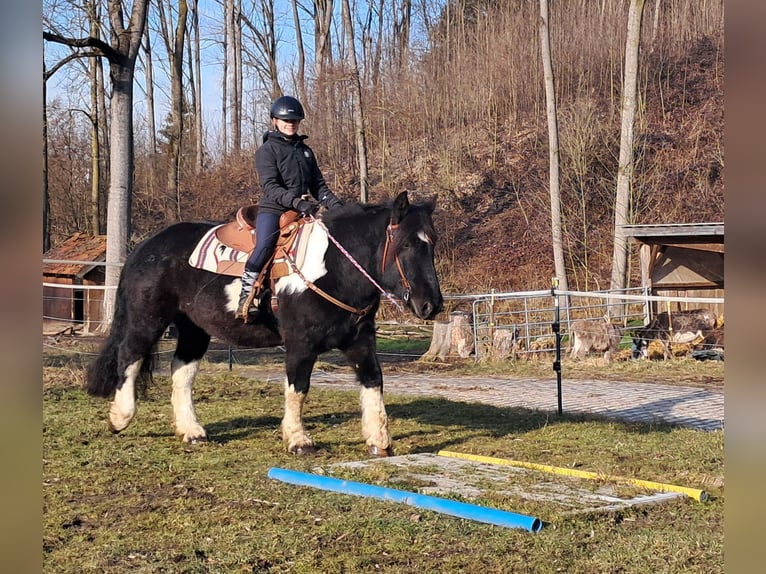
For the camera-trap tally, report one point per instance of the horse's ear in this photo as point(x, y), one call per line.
point(401, 203)
point(430, 203)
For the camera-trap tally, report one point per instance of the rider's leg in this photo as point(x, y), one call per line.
point(266, 233)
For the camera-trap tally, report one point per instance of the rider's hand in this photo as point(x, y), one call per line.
point(306, 208)
point(333, 202)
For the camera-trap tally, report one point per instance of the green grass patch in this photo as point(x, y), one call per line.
point(142, 501)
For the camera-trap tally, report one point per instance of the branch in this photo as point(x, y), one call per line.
point(61, 63)
point(100, 47)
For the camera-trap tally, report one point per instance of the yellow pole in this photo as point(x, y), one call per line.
point(694, 493)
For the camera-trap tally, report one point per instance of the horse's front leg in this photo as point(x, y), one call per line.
point(365, 363)
point(184, 416)
point(297, 384)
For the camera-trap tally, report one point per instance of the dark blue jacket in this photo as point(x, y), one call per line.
point(287, 169)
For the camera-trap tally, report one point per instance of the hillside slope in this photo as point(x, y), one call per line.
point(495, 215)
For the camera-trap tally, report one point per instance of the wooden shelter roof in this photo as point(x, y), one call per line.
point(79, 248)
point(703, 236)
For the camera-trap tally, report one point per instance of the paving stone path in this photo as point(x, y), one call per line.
point(693, 407)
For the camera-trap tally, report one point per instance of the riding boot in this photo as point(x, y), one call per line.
point(247, 296)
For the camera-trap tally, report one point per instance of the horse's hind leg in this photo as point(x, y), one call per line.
point(122, 409)
point(365, 363)
point(134, 351)
point(192, 345)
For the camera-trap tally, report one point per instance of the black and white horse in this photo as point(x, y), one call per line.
point(390, 249)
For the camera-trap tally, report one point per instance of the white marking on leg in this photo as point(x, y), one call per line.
point(374, 418)
point(123, 408)
point(313, 266)
point(293, 432)
point(184, 415)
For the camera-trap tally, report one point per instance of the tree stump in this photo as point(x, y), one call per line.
point(440, 341)
point(505, 344)
point(461, 334)
point(453, 338)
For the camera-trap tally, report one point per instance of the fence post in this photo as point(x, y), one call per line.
point(557, 331)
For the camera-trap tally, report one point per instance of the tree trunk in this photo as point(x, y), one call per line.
point(195, 67)
point(625, 165)
point(103, 130)
point(234, 74)
point(402, 33)
point(149, 78)
point(95, 151)
point(125, 42)
point(301, 53)
point(553, 148)
point(270, 49)
point(175, 49)
point(46, 194)
point(227, 7)
point(361, 144)
point(323, 10)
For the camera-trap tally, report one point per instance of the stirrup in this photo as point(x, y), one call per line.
point(245, 311)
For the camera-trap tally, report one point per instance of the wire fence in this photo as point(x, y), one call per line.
point(526, 317)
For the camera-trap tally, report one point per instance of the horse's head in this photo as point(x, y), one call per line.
point(409, 252)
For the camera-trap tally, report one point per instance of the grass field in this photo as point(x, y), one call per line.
point(143, 502)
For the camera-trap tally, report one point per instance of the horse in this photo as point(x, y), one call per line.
point(358, 253)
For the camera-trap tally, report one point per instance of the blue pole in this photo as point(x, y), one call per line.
point(434, 503)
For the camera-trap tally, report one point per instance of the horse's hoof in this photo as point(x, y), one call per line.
point(378, 452)
point(112, 428)
point(197, 440)
point(307, 450)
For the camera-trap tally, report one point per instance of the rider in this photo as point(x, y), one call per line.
point(290, 179)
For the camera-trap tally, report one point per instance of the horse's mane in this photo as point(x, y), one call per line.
point(416, 220)
point(353, 209)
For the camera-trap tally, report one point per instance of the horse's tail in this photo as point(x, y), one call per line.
point(103, 375)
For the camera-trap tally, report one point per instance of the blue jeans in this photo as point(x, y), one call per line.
point(266, 235)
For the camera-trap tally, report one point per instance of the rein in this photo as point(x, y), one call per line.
point(359, 312)
point(353, 261)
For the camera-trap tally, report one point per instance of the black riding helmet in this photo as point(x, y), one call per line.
point(287, 108)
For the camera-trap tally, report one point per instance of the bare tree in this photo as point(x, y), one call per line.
point(95, 147)
point(175, 48)
point(323, 10)
point(301, 52)
point(361, 144)
point(323, 57)
point(46, 191)
point(553, 147)
point(233, 72)
point(625, 162)
point(402, 24)
point(149, 80)
point(121, 54)
point(195, 72)
point(264, 60)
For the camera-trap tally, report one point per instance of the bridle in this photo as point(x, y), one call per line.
point(390, 231)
